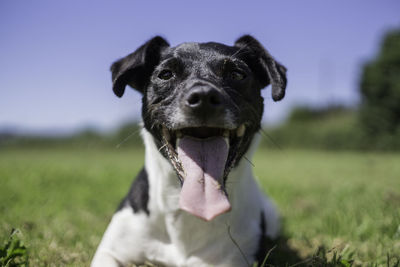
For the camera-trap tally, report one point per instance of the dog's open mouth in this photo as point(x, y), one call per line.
point(203, 157)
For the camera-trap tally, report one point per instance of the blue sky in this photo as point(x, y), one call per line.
point(55, 55)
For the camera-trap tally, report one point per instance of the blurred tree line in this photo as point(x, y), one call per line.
point(127, 136)
point(375, 124)
point(380, 95)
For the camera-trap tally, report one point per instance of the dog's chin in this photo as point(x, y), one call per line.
point(203, 157)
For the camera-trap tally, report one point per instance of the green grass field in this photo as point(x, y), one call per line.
point(62, 200)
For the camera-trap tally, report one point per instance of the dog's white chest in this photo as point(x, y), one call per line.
point(170, 237)
point(175, 240)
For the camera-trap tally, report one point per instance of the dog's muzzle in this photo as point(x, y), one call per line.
point(201, 149)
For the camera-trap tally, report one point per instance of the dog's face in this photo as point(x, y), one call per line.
point(202, 103)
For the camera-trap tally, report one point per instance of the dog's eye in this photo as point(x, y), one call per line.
point(237, 75)
point(165, 75)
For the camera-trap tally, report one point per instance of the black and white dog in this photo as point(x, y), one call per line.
point(202, 108)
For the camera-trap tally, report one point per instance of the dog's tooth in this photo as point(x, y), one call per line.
point(240, 131)
point(166, 134)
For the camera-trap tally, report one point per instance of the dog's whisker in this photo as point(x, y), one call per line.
point(127, 138)
point(240, 50)
point(237, 245)
point(232, 101)
point(249, 161)
point(163, 146)
point(270, 138)
point(249, 105)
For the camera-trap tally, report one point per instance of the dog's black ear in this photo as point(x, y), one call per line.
point(136, 68)
point(267, 69)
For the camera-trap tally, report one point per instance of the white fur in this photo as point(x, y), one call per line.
point(172, 237)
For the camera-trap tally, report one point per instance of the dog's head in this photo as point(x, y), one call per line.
point(202, 103)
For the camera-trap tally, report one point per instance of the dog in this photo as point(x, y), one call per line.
point(195, 202)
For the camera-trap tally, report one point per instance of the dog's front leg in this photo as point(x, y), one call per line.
point(103, 258)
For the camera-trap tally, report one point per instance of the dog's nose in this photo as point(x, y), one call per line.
point(206, 99)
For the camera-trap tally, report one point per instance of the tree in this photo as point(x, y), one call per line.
point(380, 92)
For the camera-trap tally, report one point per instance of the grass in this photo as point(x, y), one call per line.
point(347, 202)
point(335, 205)
point(13, 252)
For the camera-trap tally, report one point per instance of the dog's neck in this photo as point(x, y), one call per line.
point(164, 185)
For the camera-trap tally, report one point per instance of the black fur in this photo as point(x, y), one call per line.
point(271, 71)
point(136, 68)
point(205, 65)
point(264, 243)
point(261, 251)
point(138, 195)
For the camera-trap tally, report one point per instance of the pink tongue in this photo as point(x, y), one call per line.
point(203, 161)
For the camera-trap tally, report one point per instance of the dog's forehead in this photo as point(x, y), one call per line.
point(201, 51)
